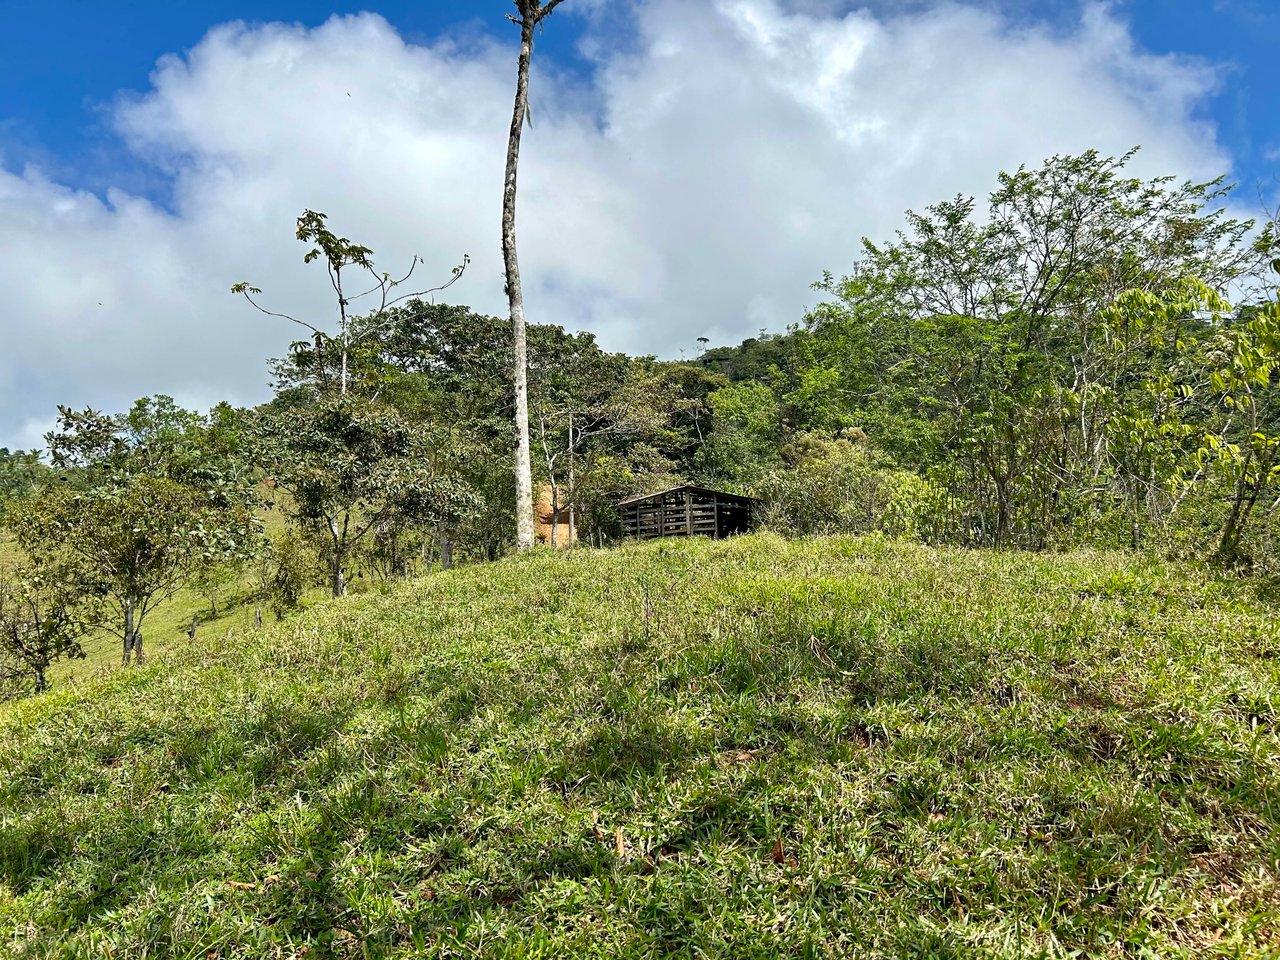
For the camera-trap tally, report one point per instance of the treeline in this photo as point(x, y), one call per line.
point(1062, 366)
point(1088, 358)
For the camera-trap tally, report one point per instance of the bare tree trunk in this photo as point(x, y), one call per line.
point(337, 575)
point(128, 631)
point(446, 545)
point(1241, 504)
point(344, 368)
point(1229, 549)
point(515, 296)
point(531, 14)
point(573, 523)
point(555, 515)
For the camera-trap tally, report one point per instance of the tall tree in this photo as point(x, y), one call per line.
point(980, 344)
point(134, 540)
point(1246, 378)
point(531, 13)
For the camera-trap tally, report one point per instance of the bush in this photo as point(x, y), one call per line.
point(286, 571)
point(845, 485)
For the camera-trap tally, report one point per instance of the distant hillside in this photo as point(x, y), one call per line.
point(745, 749)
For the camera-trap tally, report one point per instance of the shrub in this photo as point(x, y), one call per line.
point(845, 485)
point(286, 572)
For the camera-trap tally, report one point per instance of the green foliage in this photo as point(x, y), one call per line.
point(21, 472)
point(134, 540)
point(845, 486)
point(745, 436)
point(756, 358)
point(1042, 355)
point(330, 359)
point(1246, 381)
point(286, 571)
point(832, 748)
point(446, 369)
point(215, 580)
point(349, 466)
point(43, 618)
point(156, 438)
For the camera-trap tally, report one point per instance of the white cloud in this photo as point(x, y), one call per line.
point(719, 161)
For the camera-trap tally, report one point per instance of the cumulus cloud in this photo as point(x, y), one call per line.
point(707, 171)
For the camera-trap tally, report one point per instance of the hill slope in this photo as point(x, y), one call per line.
point(751, 748)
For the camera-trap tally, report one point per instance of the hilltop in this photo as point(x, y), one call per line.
point(745, 748)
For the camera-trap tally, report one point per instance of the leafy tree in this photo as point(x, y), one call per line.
point(284, 571)
point(157, 438)
point(348, 466)
point(446, 370)
point(151, 498)
point(1246, 379)
point(21, 472)
point(756, 358)
point(844, 485)
point(602, 431)
point(43, 618)
point(133, 539)
point(978, 344)
point(213, 580)
point(746, 435)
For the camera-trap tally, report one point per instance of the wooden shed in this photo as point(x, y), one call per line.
point(686, 511)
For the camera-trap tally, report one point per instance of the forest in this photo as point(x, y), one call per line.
point(1083, 358)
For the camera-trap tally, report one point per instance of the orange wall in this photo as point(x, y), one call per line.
point(542, 520)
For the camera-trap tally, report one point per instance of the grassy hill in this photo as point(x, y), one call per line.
point(750, 748)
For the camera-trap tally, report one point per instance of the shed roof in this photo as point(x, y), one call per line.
point(686, 486)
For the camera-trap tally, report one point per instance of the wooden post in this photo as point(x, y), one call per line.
point(573, 521)
point(688, 513)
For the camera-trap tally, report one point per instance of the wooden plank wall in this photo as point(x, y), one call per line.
point(680, 513)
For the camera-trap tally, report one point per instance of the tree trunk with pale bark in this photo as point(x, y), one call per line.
point(531, 14)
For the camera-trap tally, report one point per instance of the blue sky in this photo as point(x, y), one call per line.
point(62, 63)
point(694, 165)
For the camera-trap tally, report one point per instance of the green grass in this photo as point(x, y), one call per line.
point(743, 749)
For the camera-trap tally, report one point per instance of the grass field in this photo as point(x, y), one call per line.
point(743, 749)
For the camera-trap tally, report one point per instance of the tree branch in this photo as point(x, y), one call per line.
point(244, 291)
point(458, 271)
